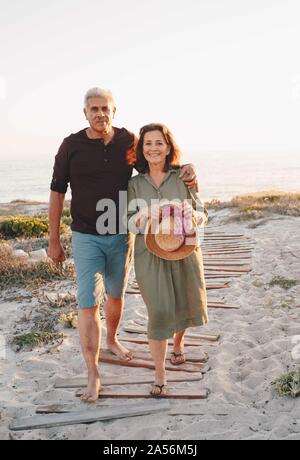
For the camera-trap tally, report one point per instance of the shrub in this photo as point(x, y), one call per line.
point(66, 216)
point(25, 226)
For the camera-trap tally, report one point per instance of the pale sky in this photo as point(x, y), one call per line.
point(224, 75)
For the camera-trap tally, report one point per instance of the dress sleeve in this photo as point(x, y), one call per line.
point(61, 170)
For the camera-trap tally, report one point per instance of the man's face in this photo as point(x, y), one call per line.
point(100, 113)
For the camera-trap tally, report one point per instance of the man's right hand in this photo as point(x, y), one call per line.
point(56, 252)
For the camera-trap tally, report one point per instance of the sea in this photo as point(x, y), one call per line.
point(222, 175)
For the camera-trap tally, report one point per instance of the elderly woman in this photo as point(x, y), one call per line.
point(173, 290)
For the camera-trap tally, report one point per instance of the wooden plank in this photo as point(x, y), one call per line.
point(201, 356)
point(208, 286)
point(209, 337)
point(224, 237)
point(216, 286)
point(222, 269)
point(187, 343)
point(229, 307)
point(223, 253)
point(227, 241)
point(226, 264)
point(87, 416)
point(57, 408)
point(230, 270)
point(227, 259)
point(112, 359)
point(221, 276)
point(218, 234)
point(145, 394)
point(78, 382)
point(227, 246)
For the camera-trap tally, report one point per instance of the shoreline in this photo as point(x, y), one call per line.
point(20, 205)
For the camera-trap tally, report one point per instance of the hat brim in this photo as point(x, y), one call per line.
point(181, 253)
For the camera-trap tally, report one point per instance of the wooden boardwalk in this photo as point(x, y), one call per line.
point(226, 257)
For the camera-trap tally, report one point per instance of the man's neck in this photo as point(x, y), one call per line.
point(105, 135)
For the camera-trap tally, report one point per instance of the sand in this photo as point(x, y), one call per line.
point(257, 345)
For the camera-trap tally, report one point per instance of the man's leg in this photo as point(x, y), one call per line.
point(118, 265)
point(113, 313)
point(89, 324)
point(89, 261)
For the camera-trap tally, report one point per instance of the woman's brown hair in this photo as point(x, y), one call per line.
point(136, 157)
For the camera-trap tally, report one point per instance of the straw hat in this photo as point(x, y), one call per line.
point(163, 240)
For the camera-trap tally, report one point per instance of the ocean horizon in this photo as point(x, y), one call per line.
point(221, 175)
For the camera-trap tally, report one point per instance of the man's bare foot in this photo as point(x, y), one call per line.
point(117, 349)
point(91, 394)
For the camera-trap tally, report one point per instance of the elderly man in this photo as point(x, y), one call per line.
point(94, 162)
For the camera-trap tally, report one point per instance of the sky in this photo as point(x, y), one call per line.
point(223, 75)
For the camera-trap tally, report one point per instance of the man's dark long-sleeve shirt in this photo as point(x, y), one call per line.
point(95, 171)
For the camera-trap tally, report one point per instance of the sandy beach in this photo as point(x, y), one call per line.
point(258, 343)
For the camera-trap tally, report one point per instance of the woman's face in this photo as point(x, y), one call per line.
point(155, 148)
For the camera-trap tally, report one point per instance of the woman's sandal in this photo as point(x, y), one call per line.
point(175, 356)
point(161, 392)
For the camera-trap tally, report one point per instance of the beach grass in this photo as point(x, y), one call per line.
point(288, 384)
point(282, 282)
point(17, 272)
point(34, 339)
point(260, 204)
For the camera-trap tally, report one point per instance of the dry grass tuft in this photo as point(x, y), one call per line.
point(17, 272)
point(288, 384)
point(257, 204)
point(34, 339)
point(282, 282)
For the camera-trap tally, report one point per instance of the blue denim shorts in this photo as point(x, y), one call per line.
point(101, 261)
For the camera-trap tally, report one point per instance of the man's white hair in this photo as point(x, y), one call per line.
point(94, 92)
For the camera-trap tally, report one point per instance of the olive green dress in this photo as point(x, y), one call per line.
point(173, 291)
